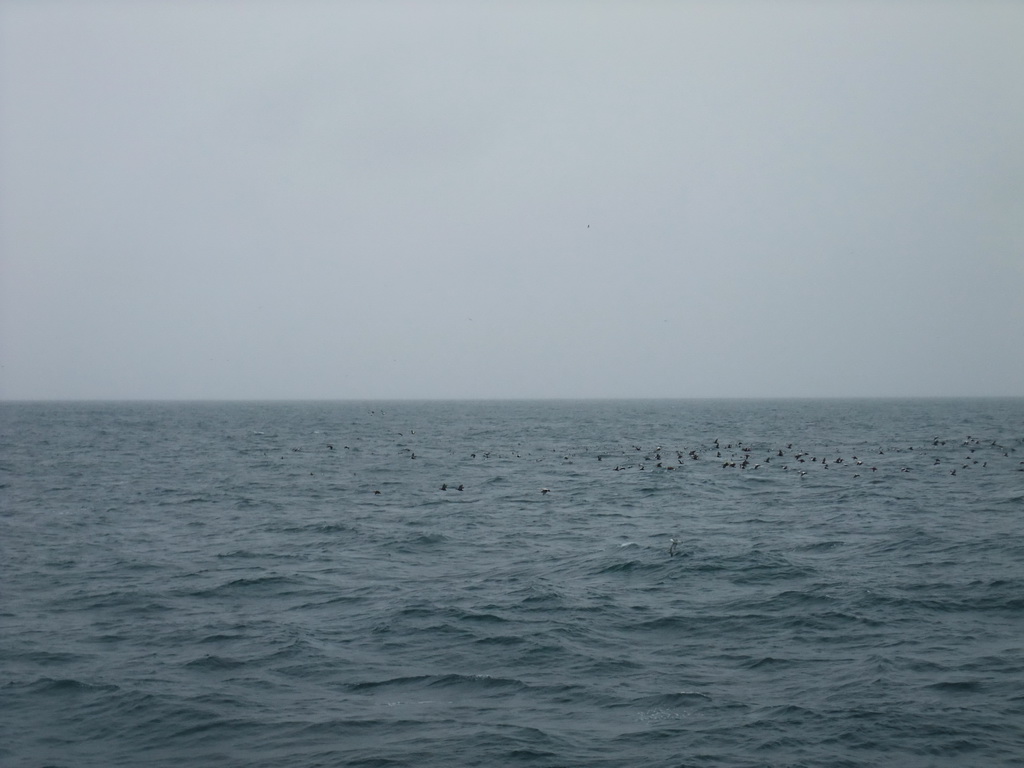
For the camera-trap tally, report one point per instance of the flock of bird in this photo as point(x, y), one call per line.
point(939, 456)
point(745, 457)
point(947, 457)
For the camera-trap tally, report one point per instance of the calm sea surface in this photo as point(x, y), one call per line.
point(389, 584)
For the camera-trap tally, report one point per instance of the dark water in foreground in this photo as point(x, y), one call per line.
point(214, 584)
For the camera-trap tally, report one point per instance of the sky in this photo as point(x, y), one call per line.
point(381, 200)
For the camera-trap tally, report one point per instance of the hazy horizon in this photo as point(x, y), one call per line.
point(451, 201)
point(484, 400)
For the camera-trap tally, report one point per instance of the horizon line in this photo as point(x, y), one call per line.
point(482, 399)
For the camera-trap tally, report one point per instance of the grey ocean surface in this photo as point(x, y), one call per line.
point(287, 584)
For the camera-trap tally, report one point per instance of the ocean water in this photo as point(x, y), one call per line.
point(288, 584)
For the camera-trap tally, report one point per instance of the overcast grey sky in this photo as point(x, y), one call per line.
point(511, 199)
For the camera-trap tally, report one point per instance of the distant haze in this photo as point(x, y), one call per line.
point(513, 199)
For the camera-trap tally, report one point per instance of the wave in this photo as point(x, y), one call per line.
point(212, 663)
point(445, 681)
point(277, 585)
point(62, 686)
